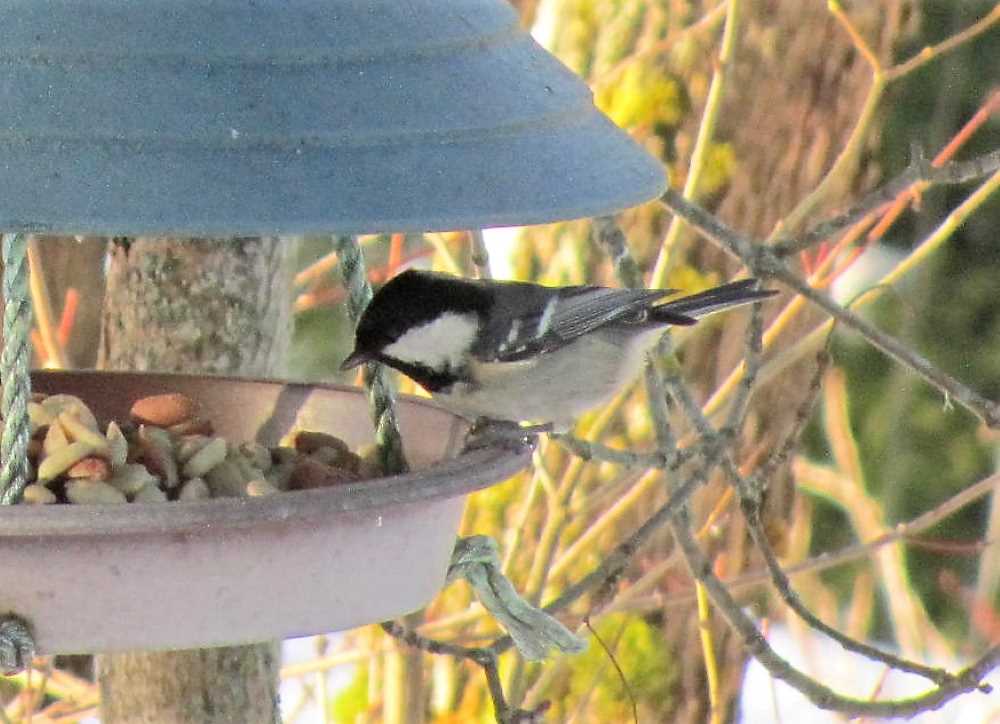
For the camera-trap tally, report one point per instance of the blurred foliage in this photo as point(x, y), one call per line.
point(351, 703)
point(916, 449)
point(638, 648)
point(645, 95)
point(322, 335)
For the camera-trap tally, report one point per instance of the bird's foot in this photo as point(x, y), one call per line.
point(487, 432)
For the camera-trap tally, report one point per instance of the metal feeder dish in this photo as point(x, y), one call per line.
point(238, 570)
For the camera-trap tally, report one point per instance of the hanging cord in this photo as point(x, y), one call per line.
point(381, 397)
point(17, 646)
point(533, 631)
point(15, 367)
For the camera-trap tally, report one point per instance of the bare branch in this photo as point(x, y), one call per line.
point(784, 588)
point(919, 170)
point(763, 262)
point(965, 681)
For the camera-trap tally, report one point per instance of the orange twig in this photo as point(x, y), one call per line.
point(54, 353)
point(859, 42)
point(38, 346)
point(316, 270)
point(395, 260)
point(991, 106)
point(71, 304)
point(328, 296)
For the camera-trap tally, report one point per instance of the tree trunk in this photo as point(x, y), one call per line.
point(208, 305)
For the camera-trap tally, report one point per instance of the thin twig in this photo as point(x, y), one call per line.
point(680, 392)
point(844, 165)
point(609, 236)
point(674, 38)
point(751, 367)
point(41, 301)
point(943, 157)
point(587, 450)
point(485, 657)
point(847, 160)
point(479, 254)
point(656, 395)
point(440, 245)
point(708, 654)
point(784, 451)
point(618, 668)
point(933, 52)
point(985, 409)
point(857, 39)
point(919, 170)
point(749, 496)
point(706, 133)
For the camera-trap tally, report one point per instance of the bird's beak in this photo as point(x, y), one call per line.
point(355, 358)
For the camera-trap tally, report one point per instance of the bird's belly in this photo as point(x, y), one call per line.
point(555, 387)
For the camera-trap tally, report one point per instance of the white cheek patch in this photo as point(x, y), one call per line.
point(439, 344)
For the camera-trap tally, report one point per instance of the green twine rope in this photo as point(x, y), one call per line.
point(14, 368)
point(381, 397)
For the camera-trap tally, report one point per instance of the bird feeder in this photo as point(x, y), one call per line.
point(287, 117)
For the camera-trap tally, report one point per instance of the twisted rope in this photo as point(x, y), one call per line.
point(17, 645)
point(14, 368)
point(381, 396)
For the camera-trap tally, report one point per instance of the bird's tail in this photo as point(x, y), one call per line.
point(688, 310)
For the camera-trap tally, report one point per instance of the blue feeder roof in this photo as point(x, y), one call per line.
point(211, 117)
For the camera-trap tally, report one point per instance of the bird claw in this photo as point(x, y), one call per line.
point(486, 432)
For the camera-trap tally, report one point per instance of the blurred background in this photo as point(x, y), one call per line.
point(808, 89)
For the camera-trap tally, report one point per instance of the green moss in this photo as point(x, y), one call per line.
point(720, 162)
point(645, 95)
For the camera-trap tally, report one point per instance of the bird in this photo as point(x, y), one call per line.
point(518, 352)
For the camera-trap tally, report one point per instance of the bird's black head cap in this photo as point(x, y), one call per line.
point(412, 299)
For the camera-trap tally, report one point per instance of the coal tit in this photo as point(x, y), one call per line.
point(518, 352)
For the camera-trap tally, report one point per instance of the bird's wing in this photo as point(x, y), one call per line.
point(529, 321)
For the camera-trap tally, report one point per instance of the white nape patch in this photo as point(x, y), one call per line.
point(546, 320)
point(441, 343)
